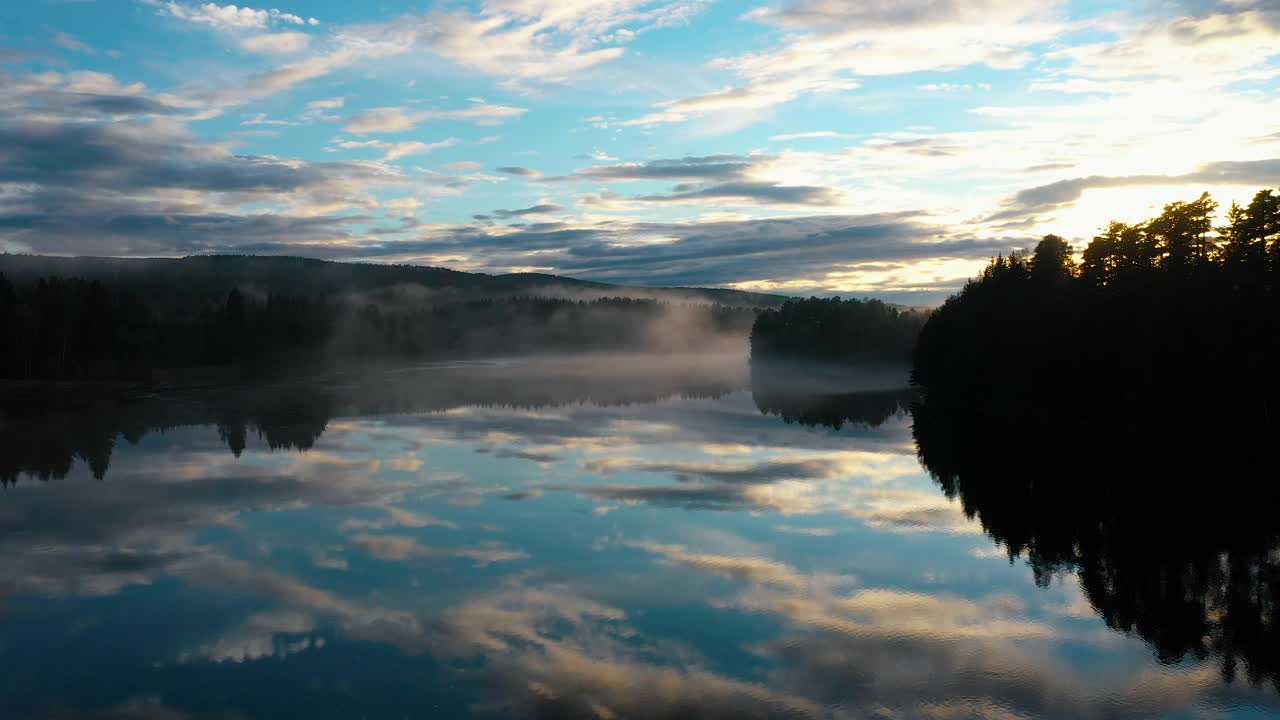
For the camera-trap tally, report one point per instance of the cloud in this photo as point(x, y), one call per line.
point(226, 17)
point(394, 119)
point(398, 548)
point(523, 495)
point(1041, 199)
point(85, 538)
point(282, 43)
point(265, 83)
point(68, 41)
point(751, 473)
point(808, 135)
point(524, 41)
point(549, 652)
point(540, 209)
point(328, 104)
point(152, 188)
point(520, 171)
point(383, 120)
point(256, 638)
point(396, 517)
point(1211, 47)
point(831, 42)
point(149, 156)
point(538, 456)
point(80, 95)
point(763, 193)
point(756, 570)
point(464, 165)
point(710, 167)
point(262, 119)
point(400, 150)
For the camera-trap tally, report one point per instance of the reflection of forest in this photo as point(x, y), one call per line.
point(1181, 548)
point(812, 394)
point(868, 409)
point(43, 436)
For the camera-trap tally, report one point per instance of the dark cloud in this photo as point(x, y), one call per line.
point(150, 188)
point(79, 106)
point(1046, 167)
point(710, 167)
point(63, 223)
point(924, 147)
point(722, 177)
point(122, 157)
point(535, 456)
point(748, 474)
point(836, 16)
point(757, 192)
point(523, 495)
point(710, 252)
point(117, 104)
point(1027, 204)
point(519, 171)
point(710, 497)
point(540, 209)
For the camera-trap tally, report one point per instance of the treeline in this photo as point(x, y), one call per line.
point(80, 330)
point(1160, 322)
point(835, 331)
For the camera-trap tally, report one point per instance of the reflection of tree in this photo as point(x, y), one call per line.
point(782, 391)
point(43, 436)
point(870, 409)
point(1181, 548)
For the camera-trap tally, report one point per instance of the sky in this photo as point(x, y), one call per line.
point(791, 146)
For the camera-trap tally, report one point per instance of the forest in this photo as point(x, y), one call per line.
point(1160, 324)
point(1112, 415)
point(831, 330)
point(90, 330)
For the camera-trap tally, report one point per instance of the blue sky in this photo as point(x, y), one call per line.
point(797, 146)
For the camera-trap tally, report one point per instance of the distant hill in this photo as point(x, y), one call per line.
point(203, 276)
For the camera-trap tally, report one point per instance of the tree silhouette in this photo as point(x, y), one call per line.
point(835, 330)
point(74, 329)
point(1182, 234)
point(1180, 549)
point(1120, 422)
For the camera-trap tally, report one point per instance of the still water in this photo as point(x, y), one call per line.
point(611, 538)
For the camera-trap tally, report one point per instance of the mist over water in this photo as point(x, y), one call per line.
point(664, 535)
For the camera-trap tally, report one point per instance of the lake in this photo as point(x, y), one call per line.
point(608, 537)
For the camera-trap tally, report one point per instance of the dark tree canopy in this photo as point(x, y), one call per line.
point(1121, 422)
point(78, 330)
point(1158, 317)
point(836, 331)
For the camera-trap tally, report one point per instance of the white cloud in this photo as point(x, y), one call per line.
point(67, 41)
point(808, 135)
point(395, 119)
point(227, 18)
point(832, 43)
point(281, 43)
point(329, 104)
point(218, 17)
point(262, 119)
point(542, 40)
point(398, 151)
point(1216, 49)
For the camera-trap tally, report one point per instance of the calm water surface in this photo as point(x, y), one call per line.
point(533, 540)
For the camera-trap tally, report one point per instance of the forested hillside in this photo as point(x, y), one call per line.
point(198, 279)
point(1169, 325)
